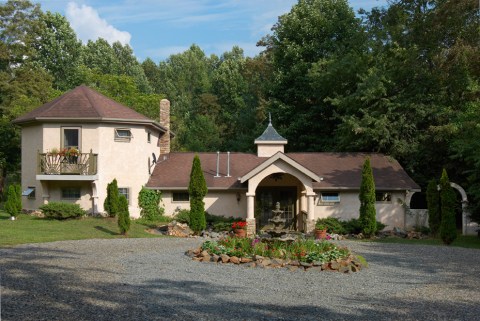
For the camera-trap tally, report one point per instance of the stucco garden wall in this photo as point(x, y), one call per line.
point(390, 213)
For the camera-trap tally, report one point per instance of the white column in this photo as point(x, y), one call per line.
point(311, 206)
point(250, 206)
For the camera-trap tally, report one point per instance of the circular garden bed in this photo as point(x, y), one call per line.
point(303, 254)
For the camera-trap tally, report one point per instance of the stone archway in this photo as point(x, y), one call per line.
point(468, 227)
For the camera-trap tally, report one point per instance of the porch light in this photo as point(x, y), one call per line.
point(239, 197)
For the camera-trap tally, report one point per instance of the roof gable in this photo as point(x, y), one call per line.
point(84, 103)
point(279, 156)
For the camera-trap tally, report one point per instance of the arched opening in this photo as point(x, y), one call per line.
point(279, 187)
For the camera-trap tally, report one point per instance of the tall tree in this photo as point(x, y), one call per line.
point(58, 50)
point(111, 205)
point(448, 230)
point(197, 189)
point(368, 213)
point(311, 37)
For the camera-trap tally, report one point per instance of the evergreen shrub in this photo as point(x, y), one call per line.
point(111, 203)
point(448, 228)
point(61, 211)
point(123, 215)
point(197, 189)
point(367, 201)
point(13, 205)
point(183, 216)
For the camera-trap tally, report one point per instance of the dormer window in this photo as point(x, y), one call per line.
point(123, 135)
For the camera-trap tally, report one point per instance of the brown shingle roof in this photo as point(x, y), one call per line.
point(84, 103)
point(338, 170)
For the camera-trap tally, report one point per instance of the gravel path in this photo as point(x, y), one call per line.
point(151, 279)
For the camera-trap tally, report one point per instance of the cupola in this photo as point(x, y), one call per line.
point(270, 142)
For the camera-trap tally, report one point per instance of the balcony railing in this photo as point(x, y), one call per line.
point(61, 164)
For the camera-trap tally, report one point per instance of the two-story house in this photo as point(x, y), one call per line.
point(73, 146)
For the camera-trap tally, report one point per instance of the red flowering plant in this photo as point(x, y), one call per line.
point(240, 225)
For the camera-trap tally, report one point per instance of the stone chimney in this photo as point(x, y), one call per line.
point(165, 122)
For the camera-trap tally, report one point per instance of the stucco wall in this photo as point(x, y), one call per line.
point(125, 161)
point(390, 213)
point(222, 203)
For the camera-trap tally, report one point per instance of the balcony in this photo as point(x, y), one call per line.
point(57, 166)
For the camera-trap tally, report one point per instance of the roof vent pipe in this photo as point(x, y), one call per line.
point(228, 164)
point(218, 163)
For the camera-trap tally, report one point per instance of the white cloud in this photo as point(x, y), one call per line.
point(89, 26)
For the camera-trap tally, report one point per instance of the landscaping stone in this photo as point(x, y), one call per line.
point(178, 229)
point(347, 265)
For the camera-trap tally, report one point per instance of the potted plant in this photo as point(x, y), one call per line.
point(320, 230)
point(240, 229)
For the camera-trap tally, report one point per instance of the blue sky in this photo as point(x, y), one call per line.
point(159, 28)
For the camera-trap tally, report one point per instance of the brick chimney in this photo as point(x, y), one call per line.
point(165, 122)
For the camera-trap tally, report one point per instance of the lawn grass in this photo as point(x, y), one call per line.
point(467, 241)
point(30, 229)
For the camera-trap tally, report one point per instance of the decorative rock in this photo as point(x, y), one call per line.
point(305, 264)
point(292, 268)
point(314, 269)
point(204, 253)
point(215, 258)
point(178, 229)
point(234, 260)
point(257, 257)
point(225, 258)
point(264, 262)
point(250, 264)
point(206, 258)
point(334, 265)
point(295, 263)
point(344, 269)
point(278, 262)
point(246, 260)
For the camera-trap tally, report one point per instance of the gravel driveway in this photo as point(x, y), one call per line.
point(151, 279)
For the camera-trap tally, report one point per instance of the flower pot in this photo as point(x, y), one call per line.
point(240, 233)
point(320, 234)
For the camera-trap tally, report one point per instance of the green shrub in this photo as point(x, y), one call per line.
point(111, 203)
point(149, 200)
point(212, 219)
point(123, 215)
point(332, 224)
point(183, 216)
point(13, 205)
point(197, 189)
point(367, 201)
point(61, 211)
point(222, 226)
point(352, 226)
point(448, 229)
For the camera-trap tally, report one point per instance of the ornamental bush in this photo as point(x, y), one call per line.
point(111, 203)
point(332, 224)
point(13, 205)
point(433, 205)
point(183, 216)
point(448, 228)
point(123, 215)
point(149, 201)
point(367, 201)
point(61, 211)
point(197, 189)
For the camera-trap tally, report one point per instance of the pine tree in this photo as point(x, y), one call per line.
point(123, 215)
point(11, 205)
point(197, 190)
point(448, 229)
point(367, 201)
point(111, 203)
point(18, 191)
point(433, 205)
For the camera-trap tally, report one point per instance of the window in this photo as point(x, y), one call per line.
point(123, 135)
point(125, 191)
point(383, 197)
point(71, 137)
point(330, 197)
point(71, 193)
point(180, 197)
point(29, 192)
point(149, 137)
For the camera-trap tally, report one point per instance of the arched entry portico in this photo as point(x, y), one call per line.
point(294, 173)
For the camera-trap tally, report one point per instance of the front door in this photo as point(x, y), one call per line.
point(267, 197)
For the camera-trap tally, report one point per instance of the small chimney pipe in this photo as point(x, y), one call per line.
point(218, 163)
point(228, 164)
